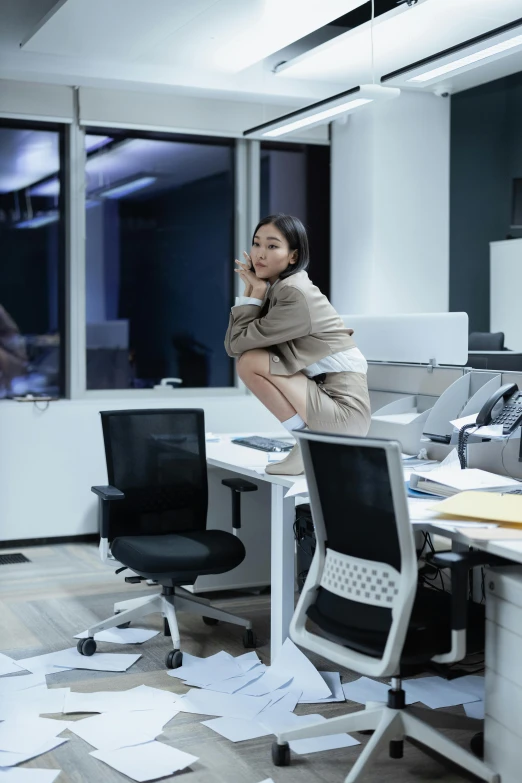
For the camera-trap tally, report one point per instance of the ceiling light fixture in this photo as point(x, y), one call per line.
point(38, 221)
point(482, 47)
point(119, 191)
point(325, 110)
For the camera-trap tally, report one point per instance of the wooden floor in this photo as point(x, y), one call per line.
point(65, 588)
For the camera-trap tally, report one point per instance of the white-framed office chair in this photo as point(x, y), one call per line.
point(363, 594)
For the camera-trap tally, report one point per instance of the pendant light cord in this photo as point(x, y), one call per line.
point(371, 39)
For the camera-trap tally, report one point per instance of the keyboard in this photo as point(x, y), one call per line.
point(263, 444)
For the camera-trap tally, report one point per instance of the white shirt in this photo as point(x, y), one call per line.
point(350, 360)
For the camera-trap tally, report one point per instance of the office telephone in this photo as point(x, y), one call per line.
point(504, 408)
point(509, 414)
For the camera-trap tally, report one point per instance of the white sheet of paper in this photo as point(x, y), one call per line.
point(146, 762)
point(488, 431)
point(286, 702)
point(121, 635)
point(333, 680)
point(436, 692)
point(26, 733)
point(192, 662)
point(12, 759)
point(248, 660)
point(268, 682)
point(205, 674)
point(103, 662)
point(226, 705)
point(471, 683)
point(36, 701)
point(9, 685)
point(300, 487)
point(234, 684)
point(29, 775)
point(122, 729)
point(284, 722)
point(268, 780)
point(236, 729)
point(9, 666)
point(292, 663)
point(365, 689)
point(317, 744)
point(141, 698)
point(475, 709)
point(43, 664)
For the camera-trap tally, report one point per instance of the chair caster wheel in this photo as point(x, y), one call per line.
point(123, 625)
point(174, 659)
point(477, 745)
point(86, 646)
point(281, 754)
point(210, 621)
point(249, 639)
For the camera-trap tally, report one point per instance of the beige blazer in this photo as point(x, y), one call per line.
point(296, 324)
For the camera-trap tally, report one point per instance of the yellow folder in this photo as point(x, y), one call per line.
point(504, 509)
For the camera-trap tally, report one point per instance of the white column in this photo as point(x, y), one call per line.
point(390, 207)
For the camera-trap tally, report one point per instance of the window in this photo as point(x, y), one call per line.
point(32, 259)
point(295, 179)
point(159, 259)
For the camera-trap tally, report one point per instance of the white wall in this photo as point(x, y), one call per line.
point(50, 459)
point(390, 207)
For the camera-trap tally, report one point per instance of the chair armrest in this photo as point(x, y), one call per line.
point(238, 485)
point(459, 564)
point(108, 493)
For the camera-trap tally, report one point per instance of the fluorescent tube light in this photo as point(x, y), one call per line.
point(38, 221)
point(315, 119)
point(483, 54)
point(127, 187)
point(490, 46)
point(324, 111)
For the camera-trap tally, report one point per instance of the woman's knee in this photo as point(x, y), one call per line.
point(254, 361)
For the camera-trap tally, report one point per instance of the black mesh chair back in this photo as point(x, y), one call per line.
point(157, 458)
point(364, 570)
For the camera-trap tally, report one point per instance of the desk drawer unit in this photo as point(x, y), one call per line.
point(503, 700)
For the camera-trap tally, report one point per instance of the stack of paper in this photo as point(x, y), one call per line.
point(495, 507)
point(447, 481)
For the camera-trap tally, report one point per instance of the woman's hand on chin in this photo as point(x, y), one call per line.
point(254, 286)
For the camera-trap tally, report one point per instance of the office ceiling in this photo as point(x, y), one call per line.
point(228, 48)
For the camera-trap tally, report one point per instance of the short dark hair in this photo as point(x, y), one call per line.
point(295, 234)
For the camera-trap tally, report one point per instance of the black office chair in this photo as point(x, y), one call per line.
point(153, 518)
point(363, 596)
point(486, 341)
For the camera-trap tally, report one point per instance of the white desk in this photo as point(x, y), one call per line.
point(241, 460)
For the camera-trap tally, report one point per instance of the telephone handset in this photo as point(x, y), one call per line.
point(509, 415)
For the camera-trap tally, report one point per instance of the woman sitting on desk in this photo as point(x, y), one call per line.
point(294, 352)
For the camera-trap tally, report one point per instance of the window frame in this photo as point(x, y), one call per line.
point(60, 128)
point(246, 173)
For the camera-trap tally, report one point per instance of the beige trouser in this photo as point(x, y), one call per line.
point(339, 404)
